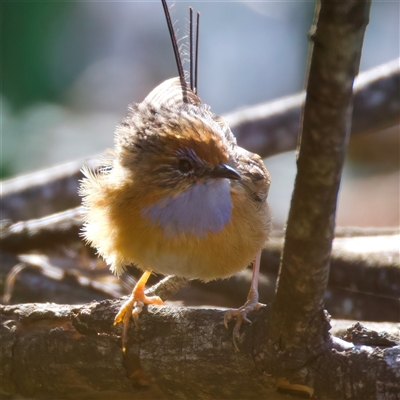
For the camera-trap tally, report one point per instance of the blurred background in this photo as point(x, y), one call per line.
point(69, 70)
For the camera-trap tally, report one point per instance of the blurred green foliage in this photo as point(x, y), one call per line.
point(25, 45)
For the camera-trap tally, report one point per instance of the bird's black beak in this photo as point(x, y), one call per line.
point(224, 171)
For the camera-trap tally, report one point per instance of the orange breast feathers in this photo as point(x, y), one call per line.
point(206, 232)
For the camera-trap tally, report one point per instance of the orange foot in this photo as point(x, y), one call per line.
point(250, 305)
point(134, 306)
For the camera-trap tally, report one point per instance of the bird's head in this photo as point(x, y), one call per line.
point(180, 155)
point(172, 145)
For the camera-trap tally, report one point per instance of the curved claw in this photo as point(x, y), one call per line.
point(250, 305)
point(136, 311)
point(123, 316)
point(236, 334)
point(134, 306)
point(125, 309)
point(241, 315)
point(227, 318)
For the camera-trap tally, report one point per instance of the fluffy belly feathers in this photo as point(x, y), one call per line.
point(138, 239)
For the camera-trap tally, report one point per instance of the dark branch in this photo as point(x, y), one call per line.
point(298, 331)
point(175, 353)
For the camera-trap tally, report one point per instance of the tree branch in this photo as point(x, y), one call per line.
point(44, 233)
point(44, 192)
point(61, 351)
point(297, 329)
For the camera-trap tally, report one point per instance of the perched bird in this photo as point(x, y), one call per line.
point(178, 197)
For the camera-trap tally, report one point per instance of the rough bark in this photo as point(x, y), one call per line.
point(297, 330)
point(54, 351)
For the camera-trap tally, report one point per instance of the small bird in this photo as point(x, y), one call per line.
point(177, 197)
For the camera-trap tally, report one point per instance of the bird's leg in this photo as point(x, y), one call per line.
point(134, 305)
point(250, 305)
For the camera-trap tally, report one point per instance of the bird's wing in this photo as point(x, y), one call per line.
point(255, 177)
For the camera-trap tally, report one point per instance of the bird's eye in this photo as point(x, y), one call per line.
point(184, 166)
